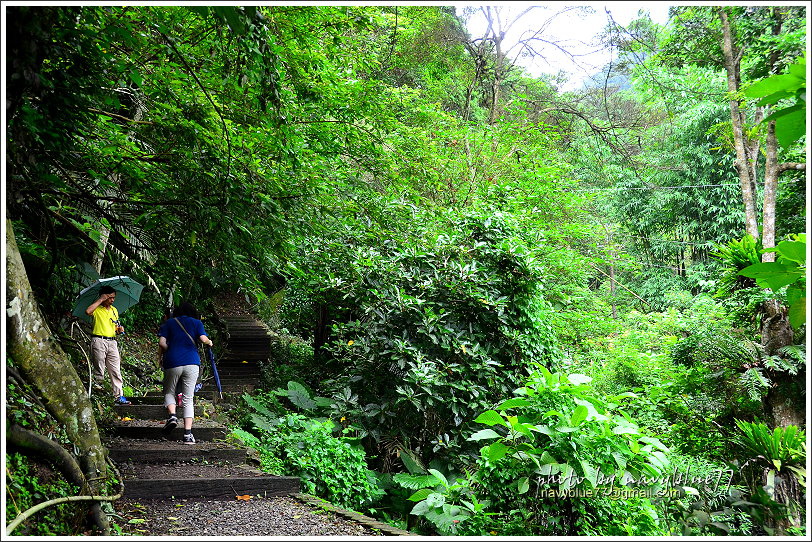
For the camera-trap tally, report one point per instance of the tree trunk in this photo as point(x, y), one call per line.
point(771, 173)
point(320, 332)
point(47, 368)
point(744, 166)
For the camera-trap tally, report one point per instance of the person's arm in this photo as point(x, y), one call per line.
point(162, 347)
point(205, 340)
point(93, 306)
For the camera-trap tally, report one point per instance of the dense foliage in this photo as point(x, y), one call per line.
point(486, 290)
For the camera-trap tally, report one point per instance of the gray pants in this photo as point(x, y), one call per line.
point(186, 375)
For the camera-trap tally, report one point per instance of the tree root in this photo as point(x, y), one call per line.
point(24, 439)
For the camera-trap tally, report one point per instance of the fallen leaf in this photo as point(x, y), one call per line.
point(136, 520)
point(172, 518)
point(126, 419)
point(296, 517)
point(243, 497)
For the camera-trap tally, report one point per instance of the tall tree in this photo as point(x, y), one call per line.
point(49, 370)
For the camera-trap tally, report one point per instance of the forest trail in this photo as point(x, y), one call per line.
point(212, 488)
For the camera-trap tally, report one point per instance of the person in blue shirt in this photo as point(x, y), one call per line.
point(177, 341)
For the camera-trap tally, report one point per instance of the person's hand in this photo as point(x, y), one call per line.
point(120, 329)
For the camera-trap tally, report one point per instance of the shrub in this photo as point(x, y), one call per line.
point(440, 329)
point(295, 445)
point(562, 442)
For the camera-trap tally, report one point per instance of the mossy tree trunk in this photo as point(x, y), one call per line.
point(47, 368)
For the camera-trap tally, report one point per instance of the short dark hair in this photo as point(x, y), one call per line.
point(107, 290)
point(185, 309)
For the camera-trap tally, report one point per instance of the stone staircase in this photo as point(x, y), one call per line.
point(157, 467)
point(248, 345)
point(155, 464)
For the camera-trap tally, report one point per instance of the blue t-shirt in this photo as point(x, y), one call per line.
point(181, 350)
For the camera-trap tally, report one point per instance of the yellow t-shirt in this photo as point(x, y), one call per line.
point(103, 321)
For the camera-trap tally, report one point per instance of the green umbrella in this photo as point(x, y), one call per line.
point(127, 294)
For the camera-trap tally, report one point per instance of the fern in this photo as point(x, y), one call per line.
point(246, 438)
point(755, 383)
point(782, 365)
point(782, 447)
point(736, 255)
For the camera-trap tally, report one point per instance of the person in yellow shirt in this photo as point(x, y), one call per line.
point(103, 344)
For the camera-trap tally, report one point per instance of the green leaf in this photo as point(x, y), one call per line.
point(790, 127)
point(412, 481)
point(411, 461)
point(578, 379)
point(797, 313)
point(590, 473)
point(774, 84)
point(495, 451)
point(491, 417)
point(514, 402)
point(793, 250)
point(435, 500)
point(420, 509)
point(203, 11)
point(772, 275)
point(420, 495)
point(136, 78)
point(579, 415)
point(440, 476)
point(231, 17)
point(546, 458)
point(484, 434)
point(299, 396)
point(620, 459)
point(523, 485)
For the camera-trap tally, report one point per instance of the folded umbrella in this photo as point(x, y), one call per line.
point(215, 373)
point(128, 292)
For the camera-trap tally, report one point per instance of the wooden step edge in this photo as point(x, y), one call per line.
point(366, 521)
point(213, 488)
point(190, 454)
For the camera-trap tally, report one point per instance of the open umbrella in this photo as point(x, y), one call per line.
point(215, 373)
point(127, 290)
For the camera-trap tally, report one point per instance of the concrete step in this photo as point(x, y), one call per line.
point(150, 481)
point(203, 409)
point(238, 389)
point(150, 397)
point(247, 355)
point(203, 430)
point(130, 450)
point(247, 369)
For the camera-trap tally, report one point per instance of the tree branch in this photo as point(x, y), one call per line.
point(788, 166)
point(119, 117)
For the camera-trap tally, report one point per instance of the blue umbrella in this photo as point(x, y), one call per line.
point(214, 372)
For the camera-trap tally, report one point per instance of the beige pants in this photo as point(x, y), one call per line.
point(106, 356)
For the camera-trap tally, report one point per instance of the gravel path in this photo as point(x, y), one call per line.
point(276, 516)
